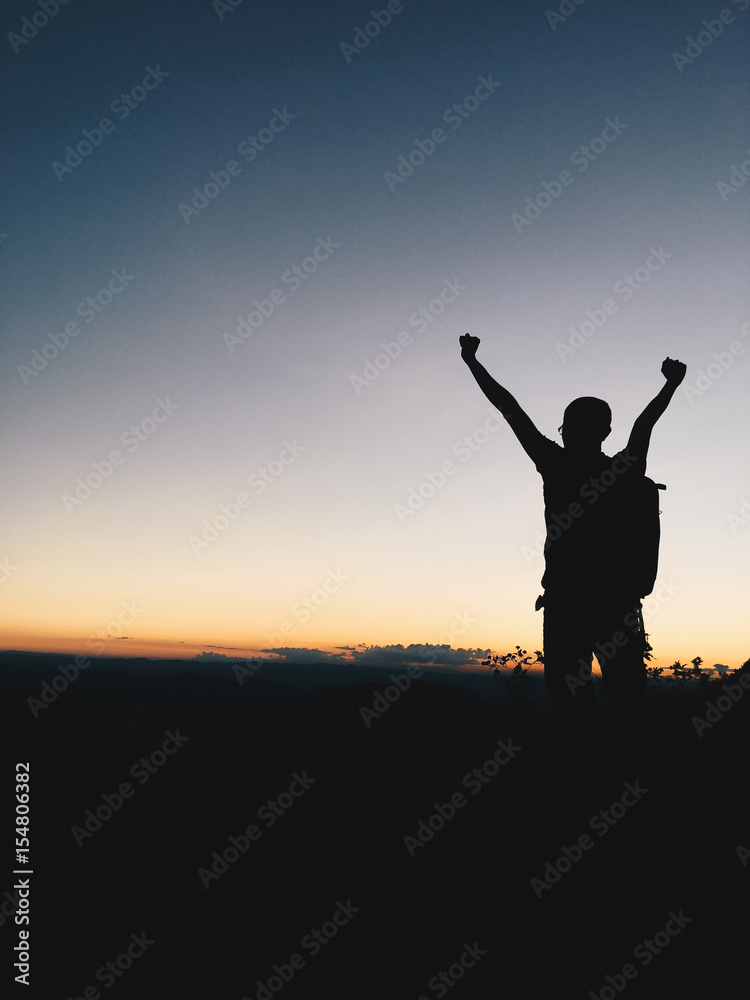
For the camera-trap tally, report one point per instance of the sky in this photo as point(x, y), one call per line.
point(239, 244)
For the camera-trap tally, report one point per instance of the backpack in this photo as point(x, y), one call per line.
point(635, 532)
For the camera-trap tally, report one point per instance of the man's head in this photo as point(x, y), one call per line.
point(586, 423)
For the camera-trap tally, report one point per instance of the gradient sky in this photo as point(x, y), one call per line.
point(463, 569)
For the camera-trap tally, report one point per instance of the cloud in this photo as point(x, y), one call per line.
point(290, 654)
point(222, 657)
point(393, 655)
point(440, 655)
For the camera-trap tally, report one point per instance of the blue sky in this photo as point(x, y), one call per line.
point(320, 182)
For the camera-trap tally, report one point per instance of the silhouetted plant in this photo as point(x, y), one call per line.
point(519, 683)
point(683, 674)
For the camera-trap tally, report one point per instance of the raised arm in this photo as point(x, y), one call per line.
point(521, 424)
point(674, 372)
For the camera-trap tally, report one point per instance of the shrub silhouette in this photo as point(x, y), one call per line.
point(519, 683)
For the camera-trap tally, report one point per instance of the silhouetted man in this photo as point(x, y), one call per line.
point(591, 584)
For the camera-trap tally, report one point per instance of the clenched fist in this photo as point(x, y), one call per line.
point(469, 346)
point(673, 371)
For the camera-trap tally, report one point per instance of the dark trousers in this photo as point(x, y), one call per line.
point(576, 629)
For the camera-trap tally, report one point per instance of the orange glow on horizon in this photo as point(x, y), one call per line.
point(168, 649)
